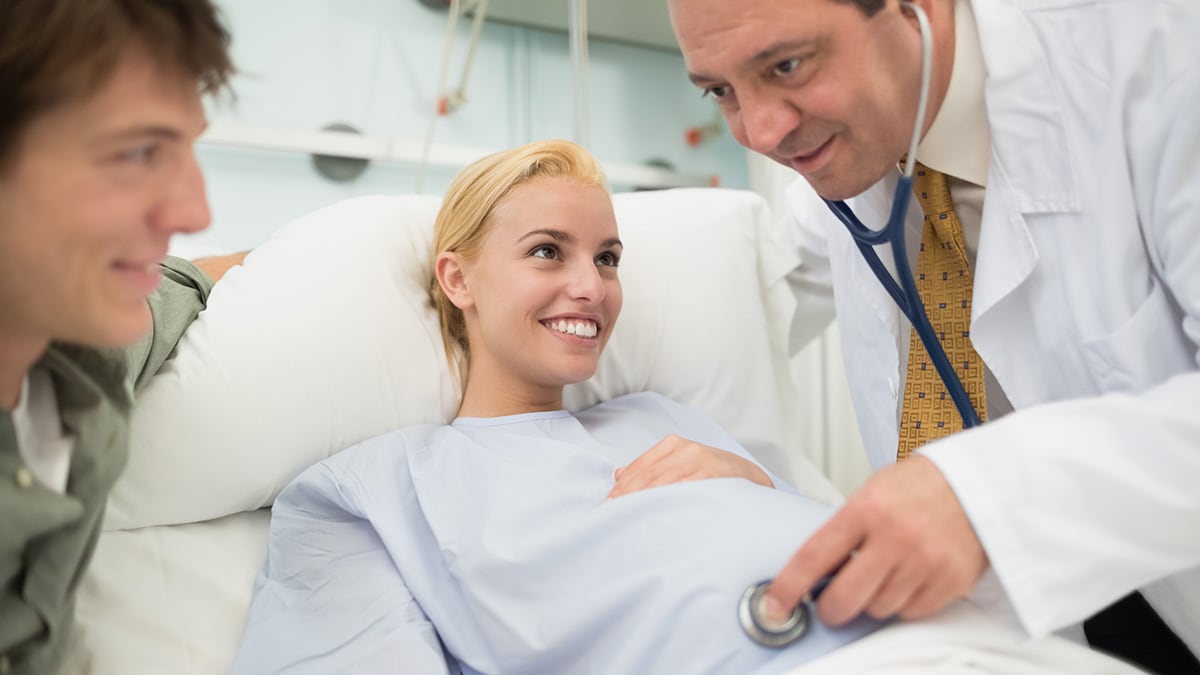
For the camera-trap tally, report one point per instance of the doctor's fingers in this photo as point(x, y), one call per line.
point(904, 583)
point(856, 584)
point(949, 575)
point(825, 550)
point(931, 599)
point(904, 551)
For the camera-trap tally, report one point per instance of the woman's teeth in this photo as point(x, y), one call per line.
point(585, 329)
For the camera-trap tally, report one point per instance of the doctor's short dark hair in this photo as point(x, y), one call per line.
point(56, 52)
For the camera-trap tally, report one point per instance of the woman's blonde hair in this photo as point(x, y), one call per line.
point(463, 220)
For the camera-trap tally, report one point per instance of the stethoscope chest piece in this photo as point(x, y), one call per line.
point(763, 631)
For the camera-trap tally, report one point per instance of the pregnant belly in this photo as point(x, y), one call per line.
point(648, 582)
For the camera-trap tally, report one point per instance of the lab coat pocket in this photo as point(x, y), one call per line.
point(1144, 351)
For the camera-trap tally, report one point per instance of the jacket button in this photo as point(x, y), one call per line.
point(23, 479)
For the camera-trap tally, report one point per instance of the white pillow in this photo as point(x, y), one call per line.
point(325, 337)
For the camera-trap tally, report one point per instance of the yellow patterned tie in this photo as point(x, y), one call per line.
point(944, 281)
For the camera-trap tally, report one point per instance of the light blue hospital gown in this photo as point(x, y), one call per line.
point(496, 532)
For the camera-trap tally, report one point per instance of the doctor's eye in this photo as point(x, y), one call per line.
point(718, 93)
point(547, 251)
point(786, 67)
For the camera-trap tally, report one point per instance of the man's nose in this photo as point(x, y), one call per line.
point(766, 120)
point(184, 208)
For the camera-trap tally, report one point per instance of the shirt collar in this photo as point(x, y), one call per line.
point(957, 143)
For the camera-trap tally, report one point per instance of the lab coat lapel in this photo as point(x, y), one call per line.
point(1030, 178)
point(872, 208)
point(869, 322)
point(1028, 139)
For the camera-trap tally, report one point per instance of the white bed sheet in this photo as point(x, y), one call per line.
point(168, 600)
point(960, 641)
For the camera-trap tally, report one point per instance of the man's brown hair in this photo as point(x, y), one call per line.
point(53, 52)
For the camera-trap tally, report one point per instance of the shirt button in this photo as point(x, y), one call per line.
point(24, 479)
point(894, 386)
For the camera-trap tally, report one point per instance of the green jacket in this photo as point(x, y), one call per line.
point(47, 538)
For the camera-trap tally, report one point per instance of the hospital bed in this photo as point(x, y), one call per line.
point(325, 338)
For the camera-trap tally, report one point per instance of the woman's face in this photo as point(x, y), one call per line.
point(543, 295)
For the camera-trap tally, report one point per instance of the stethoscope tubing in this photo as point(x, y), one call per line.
point(902, 287)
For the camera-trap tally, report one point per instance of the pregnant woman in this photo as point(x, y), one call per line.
point(522, 537)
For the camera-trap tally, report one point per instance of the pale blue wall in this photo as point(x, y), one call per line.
point(375, 63)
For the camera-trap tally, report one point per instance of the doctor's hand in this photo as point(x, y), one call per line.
point(908, 548)
point(675, 459)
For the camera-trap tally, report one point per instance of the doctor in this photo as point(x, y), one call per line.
point(1068, 139)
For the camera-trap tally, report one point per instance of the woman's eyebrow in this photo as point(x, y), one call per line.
point(557, 235)
point(567, 237)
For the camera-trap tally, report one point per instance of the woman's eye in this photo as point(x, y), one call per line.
point(608, 259)
point(545, 251)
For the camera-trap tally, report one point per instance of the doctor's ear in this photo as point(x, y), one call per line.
point(451, 276)
point(931, 8)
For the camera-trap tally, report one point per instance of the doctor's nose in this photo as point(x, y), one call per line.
point(766, 122)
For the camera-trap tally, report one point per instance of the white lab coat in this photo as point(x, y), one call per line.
point(1086, 309)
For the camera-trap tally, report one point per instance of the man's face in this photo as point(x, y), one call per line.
point(815, 85)
point(88, 206)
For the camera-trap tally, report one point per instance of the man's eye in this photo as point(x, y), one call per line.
point(787, 67)
point(139, 155)
point(545, 251)
point(716, 92)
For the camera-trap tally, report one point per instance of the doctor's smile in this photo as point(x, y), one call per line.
point(811, 163)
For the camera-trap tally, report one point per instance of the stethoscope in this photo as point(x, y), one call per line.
point(777, 633)
point(904, 292)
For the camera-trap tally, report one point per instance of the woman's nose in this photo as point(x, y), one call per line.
point(585, 283)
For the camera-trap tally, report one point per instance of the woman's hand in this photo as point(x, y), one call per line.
point(675, 459)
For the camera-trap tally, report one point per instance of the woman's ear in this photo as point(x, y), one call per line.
point(451, 276)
